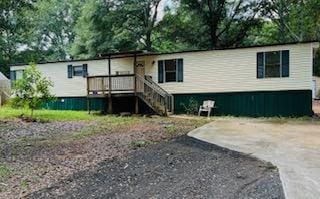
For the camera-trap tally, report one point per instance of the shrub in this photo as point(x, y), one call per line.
point(191, 107)
point(32, 90)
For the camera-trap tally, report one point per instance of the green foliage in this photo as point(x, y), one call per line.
point(32, 90)
point(48, 115)
point(191, 107)
point(139, 144)
point(5, 172)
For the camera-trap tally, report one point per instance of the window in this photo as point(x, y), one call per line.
point(170, 70)
point(273, 64)
point(15, 75)
point(19, 74)
point(122, 72)
point(78, 70)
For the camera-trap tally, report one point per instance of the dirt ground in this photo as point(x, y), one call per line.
point(37, 155)
point(134, 157)
point(181, 168)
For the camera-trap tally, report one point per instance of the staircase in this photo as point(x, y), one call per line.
point(154, 96)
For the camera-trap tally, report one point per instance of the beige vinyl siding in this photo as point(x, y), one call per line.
point(204, 72)
point(235, 70)
point(76, 86)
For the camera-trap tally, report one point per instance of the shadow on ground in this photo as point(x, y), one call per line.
point(181, 168)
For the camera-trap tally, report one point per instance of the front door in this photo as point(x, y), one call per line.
point(140, 68)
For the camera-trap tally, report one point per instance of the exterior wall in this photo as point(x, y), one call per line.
point(317, 79)
point(253, 104)
point(235, 70)
point(77, 86)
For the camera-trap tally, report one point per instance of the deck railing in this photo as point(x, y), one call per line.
point(149, 91)
point(99, 85)
point(154, 95)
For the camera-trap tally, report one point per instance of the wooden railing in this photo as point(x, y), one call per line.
point(147, 90)
point(97, 85)
point(155, 96)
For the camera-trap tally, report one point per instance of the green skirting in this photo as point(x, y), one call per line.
point(76, 104)
point(120, 104)
point(253, 104)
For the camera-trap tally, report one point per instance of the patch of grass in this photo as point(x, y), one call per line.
point(5, 172)
point(24, 184)
point(107, 124)
point(172, 129)
point(47, 115)
point(139, 143)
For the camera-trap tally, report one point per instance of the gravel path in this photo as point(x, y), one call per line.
point(181, 168)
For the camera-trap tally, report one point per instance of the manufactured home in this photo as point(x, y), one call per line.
point(271, 80)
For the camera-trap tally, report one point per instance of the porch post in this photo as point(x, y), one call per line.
point(110, 111)
point(135, 84)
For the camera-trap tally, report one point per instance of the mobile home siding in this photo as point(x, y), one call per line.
point(77, 85)
point(235, 70)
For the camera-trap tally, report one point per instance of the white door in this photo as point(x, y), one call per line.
point(314, 89)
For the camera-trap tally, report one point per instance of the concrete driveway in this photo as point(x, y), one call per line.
point(294, 147)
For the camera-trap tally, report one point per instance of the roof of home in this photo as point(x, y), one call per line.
point(140, 53)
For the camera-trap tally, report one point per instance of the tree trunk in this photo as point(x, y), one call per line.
point(148, 41)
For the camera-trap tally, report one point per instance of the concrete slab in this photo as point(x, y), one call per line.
point(294, 147)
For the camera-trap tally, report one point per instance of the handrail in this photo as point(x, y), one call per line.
point(153, 94)
point(158, 87)
point(149, 91)
point(100, 76)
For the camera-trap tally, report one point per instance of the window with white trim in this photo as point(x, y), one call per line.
point(273, 64)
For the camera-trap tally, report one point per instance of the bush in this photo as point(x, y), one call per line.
point(32, 90)
point(191, 107)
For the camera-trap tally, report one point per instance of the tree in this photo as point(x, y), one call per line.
point(296, 20)
point(51, 27)
point(11, 30)
point(32, 90)
point(96, 32)
point(140, 19)
point(180, 29)
point(227, 23)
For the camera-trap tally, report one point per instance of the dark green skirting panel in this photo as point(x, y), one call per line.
point(76, 104)
point(120, 104)
point(253, 104)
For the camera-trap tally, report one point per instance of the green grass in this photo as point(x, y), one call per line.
point(49, 115)
point(5, 172)
point(107, 123)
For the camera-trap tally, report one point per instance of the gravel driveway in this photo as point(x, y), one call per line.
point(181, 168)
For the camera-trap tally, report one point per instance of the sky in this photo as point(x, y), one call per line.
point(162, 5)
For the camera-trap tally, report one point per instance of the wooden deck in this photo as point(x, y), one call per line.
point(116, 84)
point(130, 85)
